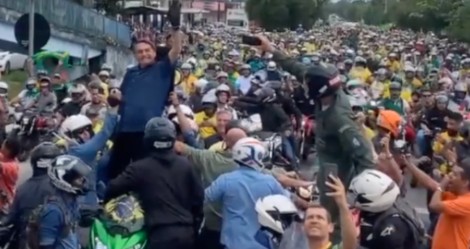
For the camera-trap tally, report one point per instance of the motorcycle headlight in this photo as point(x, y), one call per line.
point(25, 120)
point(277, 141)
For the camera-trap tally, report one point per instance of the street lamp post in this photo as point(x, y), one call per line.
point(31, 29)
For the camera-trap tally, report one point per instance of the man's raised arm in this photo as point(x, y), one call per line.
point(286, 62)
point(174, 17)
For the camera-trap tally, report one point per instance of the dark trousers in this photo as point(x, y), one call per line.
point(209, 239)
point(171, 238)
point(127, 148)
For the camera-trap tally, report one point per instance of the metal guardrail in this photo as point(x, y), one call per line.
point(69, 15)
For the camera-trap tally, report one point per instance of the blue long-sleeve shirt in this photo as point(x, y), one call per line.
point(238, 191)
point(144, 94)
point(88, 151)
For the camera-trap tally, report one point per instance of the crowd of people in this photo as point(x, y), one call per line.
point(389, 111)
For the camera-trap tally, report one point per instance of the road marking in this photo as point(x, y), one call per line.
point(421, 210)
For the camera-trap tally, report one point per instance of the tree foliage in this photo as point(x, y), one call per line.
point(281, 14)
point(451, 17)
point(110, 7)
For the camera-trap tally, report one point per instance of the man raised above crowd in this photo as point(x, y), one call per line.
point(145, 90)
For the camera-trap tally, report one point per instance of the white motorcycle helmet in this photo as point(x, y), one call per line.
point(271, 66)
point(373, 191)
point(249, 152)
point(187, 111)
point(354, 84)
point(275, 213)
point(201, 84)
point(78, 92)
point(3, 89)
point(107, 67)
point(74, 124)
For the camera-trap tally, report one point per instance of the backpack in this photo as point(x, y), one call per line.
point(34, 222)
point(402, 209)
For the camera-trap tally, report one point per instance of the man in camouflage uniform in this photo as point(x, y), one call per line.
point(339, 141)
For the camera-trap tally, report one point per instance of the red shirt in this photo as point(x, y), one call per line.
point(9, 171)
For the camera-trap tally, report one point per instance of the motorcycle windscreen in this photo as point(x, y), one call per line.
point(294, 237)
point(125, 212)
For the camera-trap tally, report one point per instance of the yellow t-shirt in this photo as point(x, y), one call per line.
point(437, 146)
point(395, 66)
point(362, 74)
point(369, 133)
point(417, 83)
point(311, 48)
point(218, 147)
point(188, 84)
point(105, 89)
point(177, 77)
point(405, 93)
point(205, 132)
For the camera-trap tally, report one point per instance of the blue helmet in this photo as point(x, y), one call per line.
point(159, 134)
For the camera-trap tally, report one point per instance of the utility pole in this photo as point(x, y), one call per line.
point(31, 29)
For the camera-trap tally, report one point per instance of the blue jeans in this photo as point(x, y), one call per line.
point(288, 150)
point(421, 141)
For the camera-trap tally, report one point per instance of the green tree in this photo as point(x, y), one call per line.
point(110, 7)
point(280, 14)
point(449, 16)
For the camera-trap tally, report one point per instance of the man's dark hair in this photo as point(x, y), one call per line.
point(147, 41)
point(13, 145)
point(318, 206)
point(455, 116)
point(465, 165)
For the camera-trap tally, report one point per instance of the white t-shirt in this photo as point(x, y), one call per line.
point(25, 99)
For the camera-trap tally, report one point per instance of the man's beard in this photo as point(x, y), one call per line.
point(452, 133)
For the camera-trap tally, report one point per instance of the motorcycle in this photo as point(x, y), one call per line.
point(119, 226)
point(273, 144)
point(307, 136)
point(31, 130)
point(14, 115)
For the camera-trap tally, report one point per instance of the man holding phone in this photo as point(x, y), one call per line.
point(341, 146)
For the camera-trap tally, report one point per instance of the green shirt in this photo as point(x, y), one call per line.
point(211, 165)
point(394, 105)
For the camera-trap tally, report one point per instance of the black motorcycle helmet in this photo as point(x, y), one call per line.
point(464, 130)
point(159, 134)
point(68, 174)
point(42, 156)
point(322, 80)
point(266, 94)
